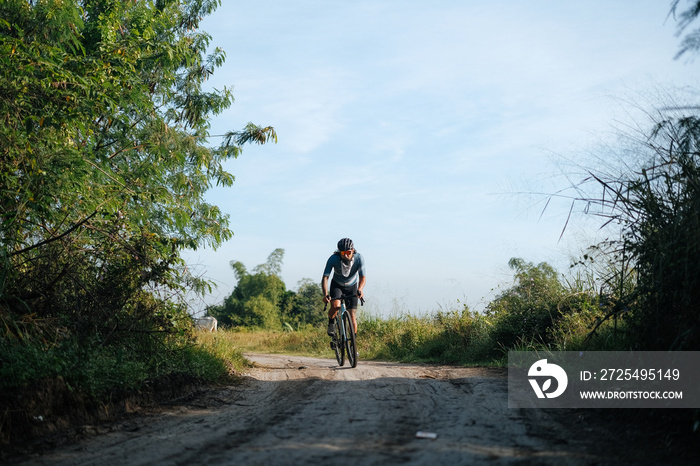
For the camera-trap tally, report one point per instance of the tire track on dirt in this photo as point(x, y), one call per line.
point(293, 410)
point(258, 417)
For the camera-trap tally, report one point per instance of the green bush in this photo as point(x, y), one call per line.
point(104, 186)
point(526, 311)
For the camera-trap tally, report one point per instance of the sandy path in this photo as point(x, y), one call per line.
point(295, 410)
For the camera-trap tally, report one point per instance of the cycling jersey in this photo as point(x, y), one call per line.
point(345, 274)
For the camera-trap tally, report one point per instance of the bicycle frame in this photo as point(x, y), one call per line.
point(344, 337)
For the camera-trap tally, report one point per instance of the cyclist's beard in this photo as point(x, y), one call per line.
point(346, 260)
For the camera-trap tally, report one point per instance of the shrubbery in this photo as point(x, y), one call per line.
point(104, 166)
point(261, 300)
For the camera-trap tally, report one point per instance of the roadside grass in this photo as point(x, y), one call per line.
point(444, 338)
point(432, 339)
point(459, 337)
point(220, 355)
point(455, 337)
point(97, 371)
point(305, 341)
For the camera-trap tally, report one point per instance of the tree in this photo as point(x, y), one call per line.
point(691, 42)
point(107, 119)
point(257, 297)
point(306, 305)
point(260, 299)
point(527, 310)
point(104, 163)
point(273, 265)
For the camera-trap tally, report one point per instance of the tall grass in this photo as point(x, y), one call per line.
point(459, 337)
point(446, 337)
point(305, 341)
point(450, 337)
point(96, 371)
point(220, 355)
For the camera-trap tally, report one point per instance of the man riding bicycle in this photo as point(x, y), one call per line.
point(348, 279)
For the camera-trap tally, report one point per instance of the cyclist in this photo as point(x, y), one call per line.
point(348, 269)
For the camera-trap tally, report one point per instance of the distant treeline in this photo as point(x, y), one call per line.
point(261, 299)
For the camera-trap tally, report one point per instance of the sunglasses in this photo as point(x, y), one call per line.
point(346, 253)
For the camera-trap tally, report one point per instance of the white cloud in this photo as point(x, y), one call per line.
point(399, 120)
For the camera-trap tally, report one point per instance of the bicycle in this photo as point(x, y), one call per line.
point(344, 338)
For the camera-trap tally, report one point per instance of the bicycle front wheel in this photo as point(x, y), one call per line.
point(339, 346)
point(350, 340)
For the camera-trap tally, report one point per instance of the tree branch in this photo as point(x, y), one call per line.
point(55, 238)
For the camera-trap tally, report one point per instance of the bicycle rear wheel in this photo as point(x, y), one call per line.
point(350, 340)
point(339, 344)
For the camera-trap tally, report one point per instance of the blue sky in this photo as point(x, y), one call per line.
point(410, 127)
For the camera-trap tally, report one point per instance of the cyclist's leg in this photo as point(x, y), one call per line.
point(334, 292)
point(333, 310)
point(351, 304)
point(353, 317)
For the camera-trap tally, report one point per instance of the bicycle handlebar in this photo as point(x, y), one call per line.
point(343, 297)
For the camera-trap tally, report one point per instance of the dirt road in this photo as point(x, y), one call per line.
point(294, 410)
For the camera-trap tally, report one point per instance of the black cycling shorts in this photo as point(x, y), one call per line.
point(337, 291)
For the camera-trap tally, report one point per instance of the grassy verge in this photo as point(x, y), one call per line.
point(308, 341)
point(63, 383)
point(446, 337)
point(223, 351)
point(97, 371)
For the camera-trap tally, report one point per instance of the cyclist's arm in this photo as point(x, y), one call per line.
point(326, 274)
point(361, 273)
point(363, 280)
point(324, 288)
